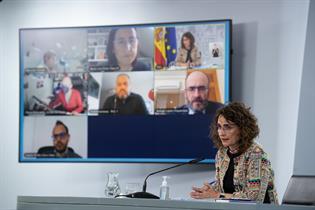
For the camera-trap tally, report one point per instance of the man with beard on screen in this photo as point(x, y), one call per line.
point(61, 137)
point(124, 101)
point(196, 94)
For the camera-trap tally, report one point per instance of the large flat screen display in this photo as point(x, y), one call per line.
point(123, 93)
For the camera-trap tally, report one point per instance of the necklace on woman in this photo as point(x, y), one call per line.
point(233, 151)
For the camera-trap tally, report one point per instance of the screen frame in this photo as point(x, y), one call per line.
point(228, 92)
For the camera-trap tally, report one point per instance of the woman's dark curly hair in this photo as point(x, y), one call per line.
point(240, 115)
point(189, 36)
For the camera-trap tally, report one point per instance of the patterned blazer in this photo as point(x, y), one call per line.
point(253, 175)
point(182, 56)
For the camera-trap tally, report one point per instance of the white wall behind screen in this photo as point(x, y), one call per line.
point(268, 42)
point(304, 159)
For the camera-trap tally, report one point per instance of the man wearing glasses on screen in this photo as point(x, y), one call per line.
point(60, 136)
point(196, 94)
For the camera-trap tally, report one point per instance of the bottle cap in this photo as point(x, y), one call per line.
point(164, 183)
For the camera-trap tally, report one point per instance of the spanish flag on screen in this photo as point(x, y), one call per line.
point(159, 48)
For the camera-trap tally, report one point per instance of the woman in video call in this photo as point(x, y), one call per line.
point(188, 54)
point(122, 51)
point(243, 170)
point(68, 98)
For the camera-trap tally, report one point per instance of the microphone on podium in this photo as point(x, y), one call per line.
point(145, 194)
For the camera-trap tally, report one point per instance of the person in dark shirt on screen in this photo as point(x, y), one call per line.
point(124, 101)
point(196, 93)
point(61, 137)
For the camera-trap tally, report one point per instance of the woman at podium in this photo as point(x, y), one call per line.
point(243, 170)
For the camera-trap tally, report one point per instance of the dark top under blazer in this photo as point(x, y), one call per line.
point(211, 107)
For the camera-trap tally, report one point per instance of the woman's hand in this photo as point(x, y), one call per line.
point(205, 191)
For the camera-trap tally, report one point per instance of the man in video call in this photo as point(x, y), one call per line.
point(196, 93)
point(61, 137)
point(124, 101)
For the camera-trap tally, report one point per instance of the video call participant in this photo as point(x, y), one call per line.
point(61, 136)
point(196, 94)
point(124, 101)
point(67, 99)
point(50, 62)
point(188, 54)
point(122, 51)
point(243, 169)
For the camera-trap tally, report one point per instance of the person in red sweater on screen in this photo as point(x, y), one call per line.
point(68, 98)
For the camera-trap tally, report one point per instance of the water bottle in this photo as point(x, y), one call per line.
point(164, 189)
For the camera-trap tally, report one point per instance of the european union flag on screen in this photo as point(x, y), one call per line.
point(170, 44)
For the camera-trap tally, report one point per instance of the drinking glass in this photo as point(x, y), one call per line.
point(132, 188)
point(112, 188)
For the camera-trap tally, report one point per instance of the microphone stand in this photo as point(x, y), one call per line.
point(145, 194)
